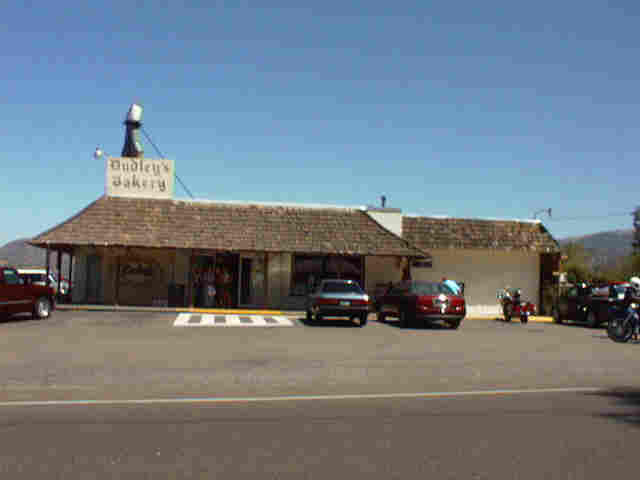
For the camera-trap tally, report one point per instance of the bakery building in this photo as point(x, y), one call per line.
point(138, 245)
point(166, 252)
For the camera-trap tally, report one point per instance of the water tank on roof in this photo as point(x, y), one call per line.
point(135, 113)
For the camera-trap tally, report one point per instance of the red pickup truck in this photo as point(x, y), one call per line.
point(16, 296)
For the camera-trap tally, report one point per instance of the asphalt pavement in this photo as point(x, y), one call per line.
point(130, 395)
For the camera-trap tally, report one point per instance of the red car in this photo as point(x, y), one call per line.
point(17, 296)
point(412, 301)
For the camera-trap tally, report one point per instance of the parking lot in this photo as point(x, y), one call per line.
point(131, 392)
point(124, 354)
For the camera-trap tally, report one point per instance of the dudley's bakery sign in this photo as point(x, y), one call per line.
point(139, 177)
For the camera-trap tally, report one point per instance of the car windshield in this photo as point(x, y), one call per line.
point(432, 289)
point(621, 288)
point(341, 287)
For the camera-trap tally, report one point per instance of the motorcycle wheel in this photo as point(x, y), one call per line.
point(524, 319)
point(620, 329)
point(507, 313)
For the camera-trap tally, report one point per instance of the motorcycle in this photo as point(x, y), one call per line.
point(513, 306)
point(624, 322)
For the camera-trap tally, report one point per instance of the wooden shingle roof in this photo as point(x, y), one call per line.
point(141, 222)
point(428, 233)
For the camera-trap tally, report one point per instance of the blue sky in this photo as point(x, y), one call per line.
point(489, 109)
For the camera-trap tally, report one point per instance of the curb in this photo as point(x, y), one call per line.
point(534, 319)
point(222, 311)
point(115, 308)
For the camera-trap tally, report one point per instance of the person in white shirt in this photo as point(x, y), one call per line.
point(452, 285)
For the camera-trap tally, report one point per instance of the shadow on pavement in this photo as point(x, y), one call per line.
point(628, 397)
point(329, 322)
point(19, 318)
point(419, 325)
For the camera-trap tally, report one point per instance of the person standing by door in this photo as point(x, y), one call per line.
point(210, 287)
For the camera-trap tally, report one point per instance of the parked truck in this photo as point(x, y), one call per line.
point(18, 296)
point(587, 304)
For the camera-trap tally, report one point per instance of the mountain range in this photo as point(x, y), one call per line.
point(605, 247)
point(20, 254)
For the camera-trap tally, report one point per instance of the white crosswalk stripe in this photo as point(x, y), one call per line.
point(226, 320)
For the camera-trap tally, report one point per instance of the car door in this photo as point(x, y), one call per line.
point(14, 294)
point(563, 304)
point(573, 303)
point(4, 295)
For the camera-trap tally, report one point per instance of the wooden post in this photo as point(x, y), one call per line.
point(117, 299)
point(59, 273)
point(70, 279)
point(266, 280)
point(189, 288)
point(48, 260)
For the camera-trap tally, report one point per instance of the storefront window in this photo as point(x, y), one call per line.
point(309, 270)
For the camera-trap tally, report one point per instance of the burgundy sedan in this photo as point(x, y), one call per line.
point(412, 301)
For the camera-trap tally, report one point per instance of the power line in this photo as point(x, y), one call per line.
point(589, 217)
point(162, 156)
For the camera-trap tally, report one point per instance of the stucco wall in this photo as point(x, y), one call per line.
point(484, 272)
point(381, 270)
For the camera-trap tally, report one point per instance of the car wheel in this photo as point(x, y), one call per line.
point(555, 315)
point(363, 319)
point(42, 308)
point(591, 319)
point(454, 324)
point(318, 318)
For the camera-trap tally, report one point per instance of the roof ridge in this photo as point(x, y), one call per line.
point(483, 219)
point(244, 203)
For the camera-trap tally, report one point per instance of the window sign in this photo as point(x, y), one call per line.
point(139, 177)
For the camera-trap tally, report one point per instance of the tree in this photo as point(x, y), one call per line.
point(578, 264)
point(630, 266)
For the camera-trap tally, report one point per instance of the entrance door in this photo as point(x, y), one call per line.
point(245, 281)
point(227, 279)
point(94, 278)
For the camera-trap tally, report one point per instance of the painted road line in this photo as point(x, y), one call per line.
point(294, 398)
point(499, 318)
point(208, 320)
